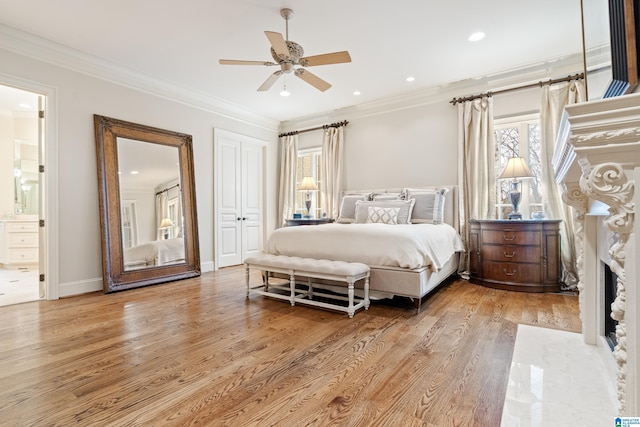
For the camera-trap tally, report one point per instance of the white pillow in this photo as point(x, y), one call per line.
point(380, 215)
point(404, 214)
point(429, 205)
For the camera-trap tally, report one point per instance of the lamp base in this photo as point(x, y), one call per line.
point(515, 215)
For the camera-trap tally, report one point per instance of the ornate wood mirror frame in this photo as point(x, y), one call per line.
point(116, 276)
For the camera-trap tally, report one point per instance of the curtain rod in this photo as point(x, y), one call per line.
point(332, 125)
point(541, 83)
point(167, 189)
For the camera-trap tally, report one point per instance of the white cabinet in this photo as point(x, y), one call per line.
point(239, 197)
point(18, 243)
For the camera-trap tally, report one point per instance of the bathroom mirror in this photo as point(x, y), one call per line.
point(147, 204)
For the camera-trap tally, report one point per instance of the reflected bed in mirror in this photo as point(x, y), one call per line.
point(147, 204)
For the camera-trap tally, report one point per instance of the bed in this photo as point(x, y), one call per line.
point(409, 258)
point(154, 253)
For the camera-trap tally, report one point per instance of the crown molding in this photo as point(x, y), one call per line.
point(38, 48)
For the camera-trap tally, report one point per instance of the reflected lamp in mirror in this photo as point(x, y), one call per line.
point(515, 168)
point(165, 225)
point(308, 185)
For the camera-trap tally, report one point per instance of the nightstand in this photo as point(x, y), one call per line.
point(308, 221)
point(515, 255)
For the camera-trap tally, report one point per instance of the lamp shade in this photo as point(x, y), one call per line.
point(166, 223)
point(516, 167)
point(308, 184)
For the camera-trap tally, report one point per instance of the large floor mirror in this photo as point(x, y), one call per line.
point(147, 204)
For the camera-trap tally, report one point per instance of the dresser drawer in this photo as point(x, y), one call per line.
point(510, 237)
point(23, 255)
point(22, 227)
point(511, 253)
point(511, 272)
point(22, 240)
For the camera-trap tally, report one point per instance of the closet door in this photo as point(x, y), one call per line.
point(229, 203)
point(251, 200)
point(239, 198)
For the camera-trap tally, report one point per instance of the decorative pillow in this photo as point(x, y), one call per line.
point(381, 215)
point(347, 213)
point(378, 197)
point(429, 205)
point(404, 214)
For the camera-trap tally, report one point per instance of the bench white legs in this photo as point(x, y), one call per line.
point(311, 269)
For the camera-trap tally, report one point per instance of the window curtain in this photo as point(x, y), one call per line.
point(476, 175)
point(162, 210)
point(553, 100)
point(287, 196)
point(331, 169)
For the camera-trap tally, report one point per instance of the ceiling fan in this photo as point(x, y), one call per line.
point(288, 55)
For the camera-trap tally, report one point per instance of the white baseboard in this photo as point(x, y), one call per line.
point(207, 266)
point(80, 287)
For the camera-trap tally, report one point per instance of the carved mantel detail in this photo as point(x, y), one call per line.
point(597, 160)
point(573, 196)
point(608, 183)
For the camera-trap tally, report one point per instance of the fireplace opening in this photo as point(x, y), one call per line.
point(610, 290)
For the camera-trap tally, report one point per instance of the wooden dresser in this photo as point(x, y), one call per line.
point(516, 255)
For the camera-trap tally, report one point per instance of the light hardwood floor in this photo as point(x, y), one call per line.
point(197, 352)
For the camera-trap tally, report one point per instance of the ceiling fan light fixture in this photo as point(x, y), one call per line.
point(285, 92)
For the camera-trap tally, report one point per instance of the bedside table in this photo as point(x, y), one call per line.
point(308, 221)
point(515, 255)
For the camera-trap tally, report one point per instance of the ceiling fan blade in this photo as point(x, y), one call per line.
point(326, 59)
point(278, 44)
point(270, 81)
point(241, 62)
point(312, 79)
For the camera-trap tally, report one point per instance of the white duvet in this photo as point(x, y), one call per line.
point(158, 252)
point(377, 245)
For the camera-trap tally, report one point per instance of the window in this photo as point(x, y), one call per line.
point(519, 137)
point(309, 165)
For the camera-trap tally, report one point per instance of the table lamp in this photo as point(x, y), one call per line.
point(515, 168)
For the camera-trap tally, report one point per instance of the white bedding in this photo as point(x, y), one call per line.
point(158, 252)
point(377, 245)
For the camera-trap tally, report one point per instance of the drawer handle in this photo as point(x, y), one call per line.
point(506, 273)
point(511, 255)
point(513, 237)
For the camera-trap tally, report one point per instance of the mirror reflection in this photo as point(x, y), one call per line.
point(25, 177)
point(147, 204)
point(151, 204)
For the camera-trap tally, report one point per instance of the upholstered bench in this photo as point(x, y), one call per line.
point(309, 268)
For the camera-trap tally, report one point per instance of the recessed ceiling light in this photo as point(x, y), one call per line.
point(23, 105)
point(134, 172)
point(410, 78)
point(356, 92)
point(476, 37)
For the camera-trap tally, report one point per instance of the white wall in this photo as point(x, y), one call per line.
point(414, 146)
point(79, 97)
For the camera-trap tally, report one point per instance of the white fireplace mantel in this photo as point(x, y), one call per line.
point(597, 159)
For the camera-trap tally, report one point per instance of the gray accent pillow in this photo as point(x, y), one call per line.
point(347, 214)
point(429, 205)
point(404, 214)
